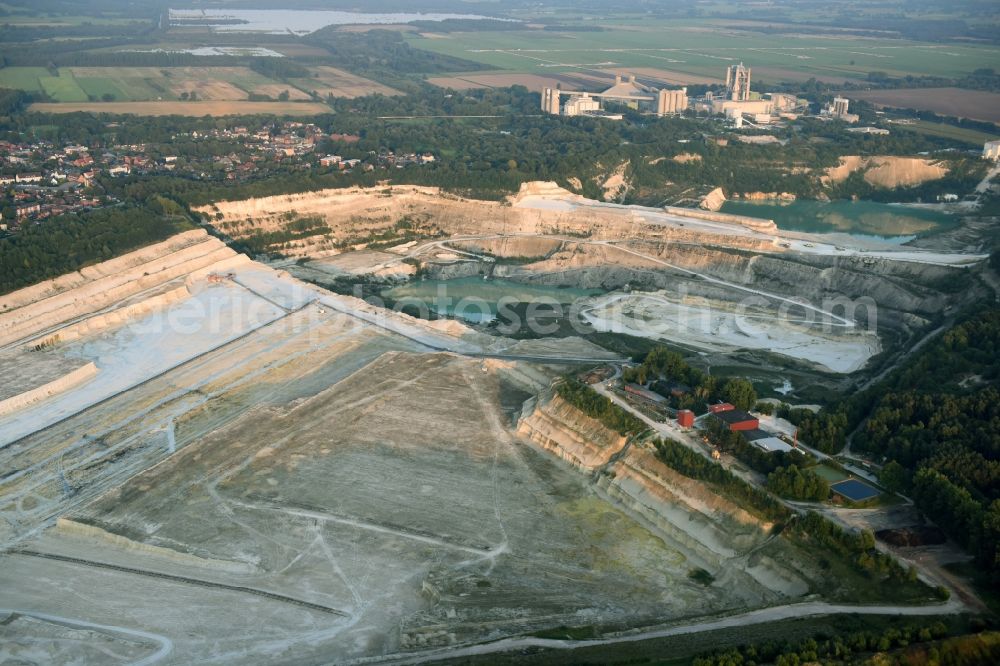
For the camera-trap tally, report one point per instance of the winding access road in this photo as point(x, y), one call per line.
point(166, 645)
point(788, 612)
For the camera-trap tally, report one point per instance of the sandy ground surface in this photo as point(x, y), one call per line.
point(126, 356)
point(356, 478)
point(544, 209)
point(22, 372)
point(339, 83)
point(351, 263)
point(557, 238)
point(888, 172)
point(400, 513)
point(714, 325)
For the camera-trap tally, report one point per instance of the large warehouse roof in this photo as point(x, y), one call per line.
point(772, 444)
point(735, 416)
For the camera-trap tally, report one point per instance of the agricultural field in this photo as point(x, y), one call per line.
point(62, 88)
point(668, 77)
point(52, 20)
point(99, 87)
point(182, 108)
point(154, 83)
point(275, 90)
point(975, 104)
point(963, 134)
point(703, 49)
point(23, 78)
point(332, 81)
point(567, 81)
point(534, 82)
point(212, 84)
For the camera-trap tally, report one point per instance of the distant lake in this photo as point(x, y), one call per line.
point(299, 22)
point(254, 51)
point(858, 218)
point(475, 299)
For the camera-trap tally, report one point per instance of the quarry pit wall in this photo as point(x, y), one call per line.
point(32, 311)
point(709, 526)
point(66, 382)
point(352, 213)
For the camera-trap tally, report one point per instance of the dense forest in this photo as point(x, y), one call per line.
point(11, 102)
point(798, 484)
point(913, 644)
point(69, 242)
point(935, 424)
point(825, 430)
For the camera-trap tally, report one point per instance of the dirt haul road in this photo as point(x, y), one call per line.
point(789, 612)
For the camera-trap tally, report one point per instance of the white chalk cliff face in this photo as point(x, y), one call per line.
point(887, 172)
point(351, 215)
point(135, 317)
point(701, 261)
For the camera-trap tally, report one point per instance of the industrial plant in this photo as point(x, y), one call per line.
point(838, 109)
point(628, 92)
point(738, 101)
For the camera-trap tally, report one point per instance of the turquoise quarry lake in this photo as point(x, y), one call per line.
point(475, 299)
point(858, 218)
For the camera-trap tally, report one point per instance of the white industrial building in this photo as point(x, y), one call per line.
point(839, 109)
point(628, 92)
point(991, 150)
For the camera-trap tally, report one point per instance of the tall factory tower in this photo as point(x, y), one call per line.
point(738, 83)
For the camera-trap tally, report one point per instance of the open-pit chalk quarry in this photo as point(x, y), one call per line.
point(698, 271)
point(185, 432)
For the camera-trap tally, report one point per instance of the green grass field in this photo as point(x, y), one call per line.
point(828, 473)
point(128, 84)
point(22, 78)
point(63, 88)
point(98, 87)
point(125, 83)
point(701, 48)
point(969, 136)
point(17, 16)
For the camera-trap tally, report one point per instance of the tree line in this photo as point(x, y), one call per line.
point(915, 643)
point(66, 243)
point(599, 407)
point(798, 484)
point(696, 466)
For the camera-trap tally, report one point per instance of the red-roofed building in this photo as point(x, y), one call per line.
point(737, 420)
